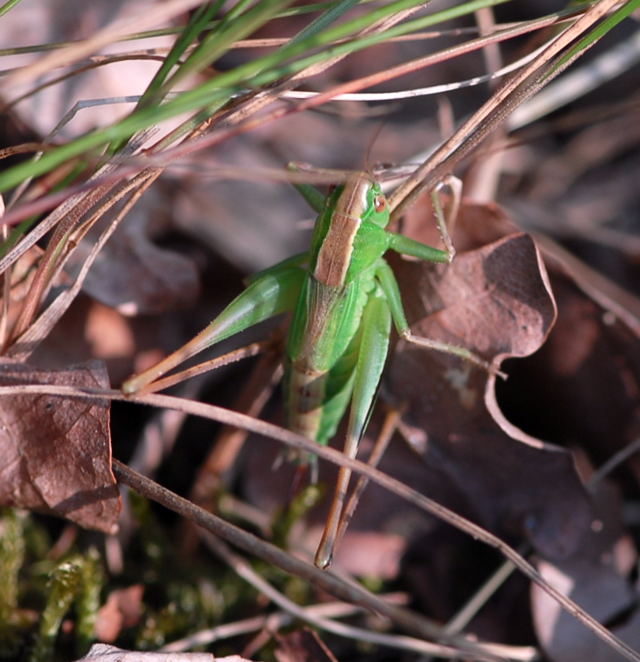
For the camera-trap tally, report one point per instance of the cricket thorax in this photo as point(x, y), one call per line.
point(334, 256)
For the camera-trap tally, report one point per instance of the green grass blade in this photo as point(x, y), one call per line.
point(8, 6)
point(325, 20)
point(198, 22)
point(265, 70)
point(228, 32)
point(598, 32)
point(217, 91)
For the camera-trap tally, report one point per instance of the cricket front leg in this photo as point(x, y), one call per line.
point(268, 295)
point(445, 222)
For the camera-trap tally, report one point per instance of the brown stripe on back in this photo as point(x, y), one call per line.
point(334, 256)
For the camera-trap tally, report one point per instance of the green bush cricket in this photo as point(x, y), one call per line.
point(344, 297)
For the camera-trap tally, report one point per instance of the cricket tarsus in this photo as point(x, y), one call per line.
point(344, 298)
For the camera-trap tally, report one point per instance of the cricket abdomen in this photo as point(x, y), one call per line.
point(306, 393)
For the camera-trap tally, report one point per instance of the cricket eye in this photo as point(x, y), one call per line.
point(379, 203)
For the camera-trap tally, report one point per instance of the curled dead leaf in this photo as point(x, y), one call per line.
point(56, 452)
point(304, 645)
point(107, 653)
point(123, 609)
point(135, 275)
point(586, 378)
point(597, 577)
point(495, 300)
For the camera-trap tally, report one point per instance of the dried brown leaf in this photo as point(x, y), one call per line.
point(597, 578)
point(123, 609)
point(136, 276)
point(56, 453)
point(496, 301)
point(107, 653)
point(302, 645)
point(586, 378)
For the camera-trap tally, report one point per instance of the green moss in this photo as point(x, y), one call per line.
point(88, 603)
point(12, 553)
point(63, 587)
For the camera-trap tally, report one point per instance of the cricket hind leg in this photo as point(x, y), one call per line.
point(389, 426)
point(453, 350)
point(389, 285)
point(338, 389)
point(373, 346)
point(271, 293)
point(446, 223)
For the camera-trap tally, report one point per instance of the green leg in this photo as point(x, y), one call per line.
point(274, 292)
point(446, 225)
point(315, 199)
point(297, 260)
point(372, 353)
point(389, 285)
point(406, 246)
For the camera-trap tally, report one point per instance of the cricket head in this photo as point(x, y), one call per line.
point(352, 234)
point(376, 208)
point(361, 199)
